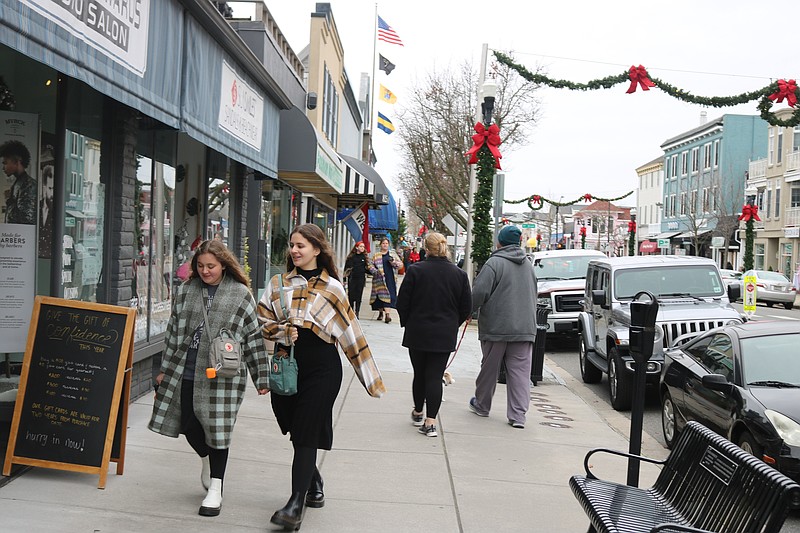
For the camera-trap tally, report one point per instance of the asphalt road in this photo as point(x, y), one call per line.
point(563, 351)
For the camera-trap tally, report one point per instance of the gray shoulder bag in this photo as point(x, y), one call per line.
point(225, 353)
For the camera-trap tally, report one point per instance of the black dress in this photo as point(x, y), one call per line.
point(357, 263)
point(308, 415)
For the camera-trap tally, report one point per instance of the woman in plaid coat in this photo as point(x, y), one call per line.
point(316, 318)
point(383, 266)
point(188, 401)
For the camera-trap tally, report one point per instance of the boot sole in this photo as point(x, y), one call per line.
point(287, 525)
point(209, 511)
point(315, 504)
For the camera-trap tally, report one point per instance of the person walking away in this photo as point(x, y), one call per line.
point(505, 293)
point(383, 265)
point(317, 318)
point(22, 198)
point(187, 401)
point(356, 268)
point(434, 299)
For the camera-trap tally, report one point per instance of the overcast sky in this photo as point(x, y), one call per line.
point(586, 142)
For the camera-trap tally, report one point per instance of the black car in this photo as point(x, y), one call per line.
point(742, 381)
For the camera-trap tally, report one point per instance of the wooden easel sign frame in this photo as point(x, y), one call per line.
point(72, 404)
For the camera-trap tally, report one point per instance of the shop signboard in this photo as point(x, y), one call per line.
point(663, 243)
point(241, 108)
point(117, 29)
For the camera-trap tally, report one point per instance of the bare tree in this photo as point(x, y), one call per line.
point(435, 128)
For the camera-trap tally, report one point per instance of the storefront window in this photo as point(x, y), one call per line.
point(84, 218)
point(154, 234)
point(219, 189)
point(786, 260)
point(279, 200)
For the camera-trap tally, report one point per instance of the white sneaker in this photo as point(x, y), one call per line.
point(205, 473)
point(212, 503)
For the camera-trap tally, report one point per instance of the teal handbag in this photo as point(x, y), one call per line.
point(283, 367)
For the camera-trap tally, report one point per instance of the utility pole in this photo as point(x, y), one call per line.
point(472, 178)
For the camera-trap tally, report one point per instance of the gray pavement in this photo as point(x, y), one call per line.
point(382, 475)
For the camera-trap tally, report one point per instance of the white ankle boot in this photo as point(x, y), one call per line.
point(213, 501)
point(205, 473)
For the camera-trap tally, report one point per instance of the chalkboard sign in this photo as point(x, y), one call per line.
point(71, 408)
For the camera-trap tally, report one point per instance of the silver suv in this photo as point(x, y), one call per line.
point(692, 298)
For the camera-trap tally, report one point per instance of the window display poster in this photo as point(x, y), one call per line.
point(17, 275)
point(19, 196)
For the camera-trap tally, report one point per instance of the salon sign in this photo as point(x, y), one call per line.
point(241, 108)
point(117, 28)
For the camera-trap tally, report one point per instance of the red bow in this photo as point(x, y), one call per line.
point(583, 231)
point(639, 75)
point(749, 211)
point(491, 137)
point(786, 89)
point(587, 197)
point(631, 226)
point(537, 199)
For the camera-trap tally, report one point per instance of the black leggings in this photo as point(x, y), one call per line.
point(355, 290)
point(427, 385)
point(196, 436)
point(303, 466)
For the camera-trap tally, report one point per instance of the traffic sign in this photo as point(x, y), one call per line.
point(529, 225)
point(750, 291)
point(663, 243)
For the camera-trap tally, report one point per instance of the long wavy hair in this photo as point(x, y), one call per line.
point(316, 237)
point(224, 256)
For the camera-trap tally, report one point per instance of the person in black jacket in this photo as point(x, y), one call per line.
point(355, 268)
point(434, 299)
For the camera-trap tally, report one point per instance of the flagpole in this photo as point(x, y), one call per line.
point(372, 117)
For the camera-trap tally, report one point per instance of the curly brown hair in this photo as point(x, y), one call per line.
point(226, 258)
point(316, 237)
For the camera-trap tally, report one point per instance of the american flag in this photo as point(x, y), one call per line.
point(387, 34)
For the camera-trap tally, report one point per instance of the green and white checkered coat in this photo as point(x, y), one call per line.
point(216, 401)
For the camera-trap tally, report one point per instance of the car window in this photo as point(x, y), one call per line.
point(696, 350)
point(673, 281)
point(771, 358)
point(562, 267)
point(718, 356)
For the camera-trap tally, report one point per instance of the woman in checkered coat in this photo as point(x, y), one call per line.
point(317, 318)
point(187, 401)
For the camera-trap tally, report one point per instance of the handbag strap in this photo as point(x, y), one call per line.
point(283, 308)
point(205, 314)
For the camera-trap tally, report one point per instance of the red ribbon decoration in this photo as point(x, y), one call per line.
point(639, 75)
point(491, 137)
point(749, 211)
point(587, 197)
point(537, 199)
point(786, 89)
point(631, 227)
point(583, 231)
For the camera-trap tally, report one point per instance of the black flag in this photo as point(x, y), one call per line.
point(386, 65)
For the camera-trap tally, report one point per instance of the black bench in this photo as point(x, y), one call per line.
point(707, 484)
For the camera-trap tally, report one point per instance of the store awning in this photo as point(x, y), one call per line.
point(384, 218)
point(666, 235)
point(305, 159)
point(647, 247)
point(689, 235)
point(362, 183)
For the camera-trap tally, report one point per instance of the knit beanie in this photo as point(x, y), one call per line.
point(509, 235)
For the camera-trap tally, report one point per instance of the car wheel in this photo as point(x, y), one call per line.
point(668, 420)
point(768, 304)
point(788, 305)
point(619, 383)
point(589, 372)
point(747, 443)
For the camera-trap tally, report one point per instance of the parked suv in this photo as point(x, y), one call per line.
point(561, 278)
point(692, 298)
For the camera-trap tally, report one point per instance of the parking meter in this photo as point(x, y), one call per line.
point(642, 334)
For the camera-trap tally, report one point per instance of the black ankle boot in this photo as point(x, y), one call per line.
point(315, 497)
point(291, 516)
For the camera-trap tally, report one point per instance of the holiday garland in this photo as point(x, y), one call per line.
point(749, 215)
point(482, 240)
point(537, 201)
point(631, 238)
point(768, 95)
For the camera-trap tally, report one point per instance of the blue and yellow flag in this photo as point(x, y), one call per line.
point(387, 95)
point(384, 123)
